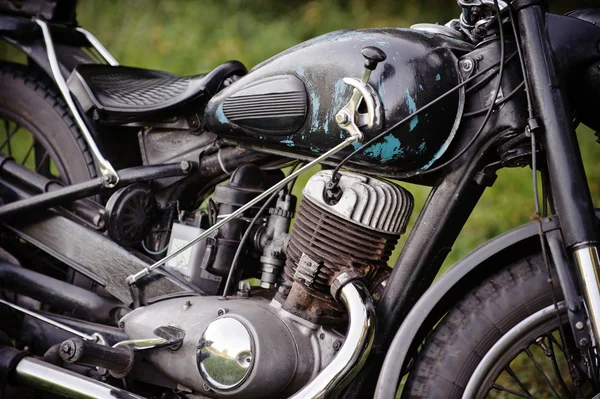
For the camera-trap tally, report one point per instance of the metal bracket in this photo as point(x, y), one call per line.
point(111, 178)
point(349, 119)
point(165, 336)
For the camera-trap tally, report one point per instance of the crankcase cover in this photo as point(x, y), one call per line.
point(288, 103)
point(235, 347)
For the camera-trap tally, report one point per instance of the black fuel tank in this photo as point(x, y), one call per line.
point(288, 103)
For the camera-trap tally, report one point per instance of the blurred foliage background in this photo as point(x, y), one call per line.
point(193, 36)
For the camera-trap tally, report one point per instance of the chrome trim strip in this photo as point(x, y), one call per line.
point(87, 337)
point(588, 264)
point(47, 377)
point(105, 167)
point(98, 46)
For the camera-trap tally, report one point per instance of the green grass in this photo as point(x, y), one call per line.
point(191, 37)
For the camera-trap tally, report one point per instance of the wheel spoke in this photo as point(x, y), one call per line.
point(518, 381)
point(561, 381)
point(43, 166)
point(557, 344)
point(29, 151)
point(9, 134)
point(539, 368)
point(520, 395)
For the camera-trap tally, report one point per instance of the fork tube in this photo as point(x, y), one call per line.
point(568, 181)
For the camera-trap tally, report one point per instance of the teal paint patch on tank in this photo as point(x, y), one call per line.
point(386, 150)
point(412, 107)
point(356, 145)
point(422, 148)
point(315, 102)
point(437, 77)
point(289, 143)
point(220, 114)
point(314, 149)
point(380, 85)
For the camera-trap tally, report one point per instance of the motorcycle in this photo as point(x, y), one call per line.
point(151, 245)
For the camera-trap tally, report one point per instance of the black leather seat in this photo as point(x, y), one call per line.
point(119, 92)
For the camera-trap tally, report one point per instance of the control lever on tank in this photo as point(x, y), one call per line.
point(349, 118)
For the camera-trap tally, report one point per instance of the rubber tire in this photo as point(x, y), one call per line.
point(453, 350)
point(34, 98)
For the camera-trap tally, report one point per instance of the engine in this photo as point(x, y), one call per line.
point(256, 346)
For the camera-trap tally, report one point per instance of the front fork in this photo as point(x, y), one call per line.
point(570, 191)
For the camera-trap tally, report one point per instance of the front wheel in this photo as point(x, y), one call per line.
point(540, 362)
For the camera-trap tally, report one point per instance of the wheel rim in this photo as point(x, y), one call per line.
point(20, 140)
point(529, 361)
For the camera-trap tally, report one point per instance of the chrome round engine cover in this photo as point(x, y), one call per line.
point(225, 355)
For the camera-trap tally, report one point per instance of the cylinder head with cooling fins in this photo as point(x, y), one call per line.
point(357, 233)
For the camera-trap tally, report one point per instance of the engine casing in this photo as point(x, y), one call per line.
point(285, 351)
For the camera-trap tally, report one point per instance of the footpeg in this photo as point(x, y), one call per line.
point(118, 361)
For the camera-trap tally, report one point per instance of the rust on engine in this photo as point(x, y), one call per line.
point(324, 245)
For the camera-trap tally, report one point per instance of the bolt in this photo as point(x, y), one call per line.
point(185, 166)
point(244, 287)
point(107, 180)
point(466, 65)
point(579, 325)
point(122, 325)
point(66, 348)
point(322, 335)
point(337, 345)
point(583, 342)
point(187, 305)
point(342, 118)
point(221, 311)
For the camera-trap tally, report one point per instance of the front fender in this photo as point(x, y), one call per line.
point(449, 288)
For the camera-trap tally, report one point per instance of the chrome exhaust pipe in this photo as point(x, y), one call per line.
point(49, 378)
point(359, 340)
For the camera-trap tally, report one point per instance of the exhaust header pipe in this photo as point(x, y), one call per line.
point(359, 339)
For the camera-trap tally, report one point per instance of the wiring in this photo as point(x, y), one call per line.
point(502, 101)
point(501, 63)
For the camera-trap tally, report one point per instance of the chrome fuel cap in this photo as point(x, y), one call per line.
point(225, 354)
